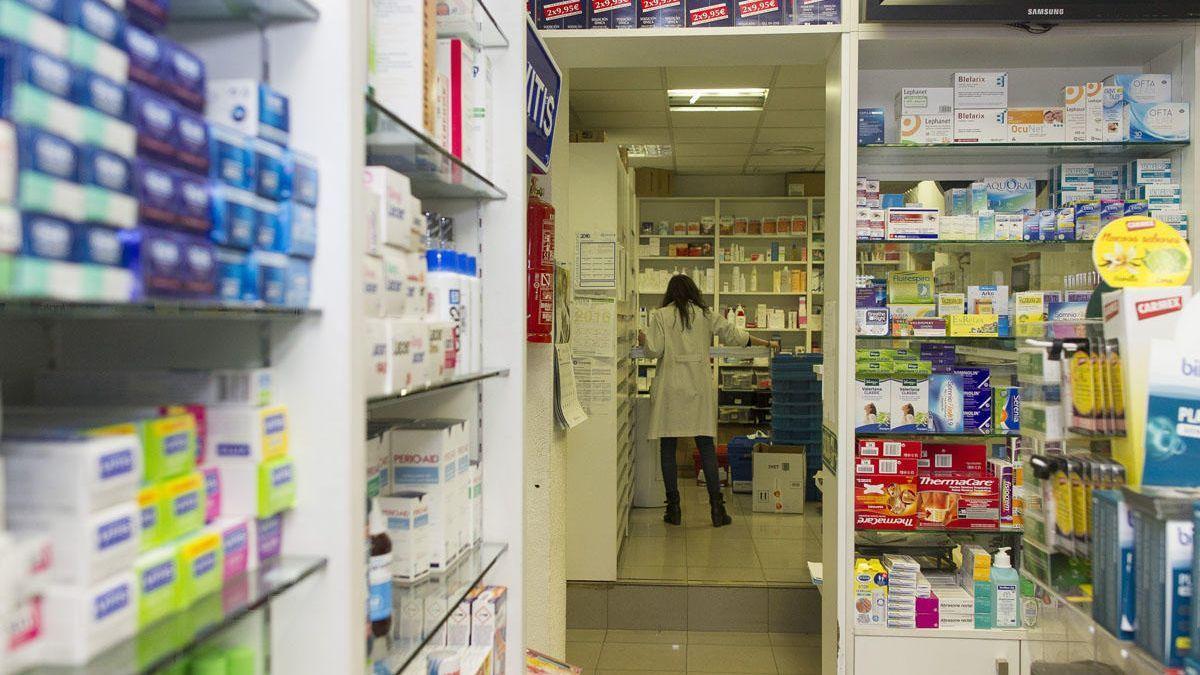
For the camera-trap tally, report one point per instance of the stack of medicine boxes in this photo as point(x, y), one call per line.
point(67, 148)
point(796, 408)
point(264, 196)
point(903, 576)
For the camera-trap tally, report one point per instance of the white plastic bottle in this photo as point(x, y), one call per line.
point(1006, 584)
point(739, 316)
point(445, 291)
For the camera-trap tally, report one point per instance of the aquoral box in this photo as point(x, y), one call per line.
point(251, 107)
point(1159, 122)
point(1142, 88)
point(1011, 194)
point(74, 475)
point(89, 548)
point(83, 621)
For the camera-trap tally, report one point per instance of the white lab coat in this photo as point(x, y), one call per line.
point(683, 395)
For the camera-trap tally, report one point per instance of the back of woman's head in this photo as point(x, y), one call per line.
point(683, 293)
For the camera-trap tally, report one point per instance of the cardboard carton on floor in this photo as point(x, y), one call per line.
point(780, 477)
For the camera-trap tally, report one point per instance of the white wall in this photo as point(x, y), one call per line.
point(772, 185)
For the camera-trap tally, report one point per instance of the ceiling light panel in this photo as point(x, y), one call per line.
point(743, 99)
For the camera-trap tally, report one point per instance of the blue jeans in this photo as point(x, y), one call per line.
point(708, 458)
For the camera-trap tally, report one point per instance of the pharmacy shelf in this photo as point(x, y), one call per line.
point(379, 404)
point(947, 530)
point(675, 258)
point(431, 169)
point(1000, 342)
point(165, 642)
point(258, 11)
point(453, 586)
point(772, 263)
point(677, 236)
point(794, 294)
point(943, 633)
point(42, 308)
point(777, 330)
point(974, 242)
point(484, 33)
point(924, 434)
point(773, 237)
point(918, 156)
point(875, 262)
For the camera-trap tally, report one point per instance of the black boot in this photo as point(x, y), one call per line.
point(673, 516)
point(717, 504)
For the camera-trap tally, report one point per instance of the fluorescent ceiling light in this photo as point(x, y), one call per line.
point(648, 151)
point(743, 99)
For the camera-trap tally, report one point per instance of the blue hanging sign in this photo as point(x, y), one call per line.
point(543, 80)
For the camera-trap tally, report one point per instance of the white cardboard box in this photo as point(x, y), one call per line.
point(980, 91)
point(928, 129)
point(924, 101)
point(391, 193)
point(403, 63)
point(82, 621)
point(780, 478)
point(88, 549)
point(982, 125)
point(425, 457)
point(376, 348)
point(77, 476)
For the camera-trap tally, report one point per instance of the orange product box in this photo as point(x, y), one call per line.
point(958, 501)
point(885, 493)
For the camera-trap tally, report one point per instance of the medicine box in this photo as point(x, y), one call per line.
point(239, 545)
point(1036, 125)
point(984, 125)
point(407, 517)
point(390, 194)
point(251, 107)
point(870, 126)
point(425, 458)
point(1142, 88)
point(975, 91)
point(489, 622)
point(1115, 126)
point(924, 101)
point(182, 506)
point(201, 569)
point(75, 476)
point(912, 223)
point(158, 584)
point(88, 548)
point(1159, 122)
point(83, 621)
point(241, 433)
point(931, 129)
point(873, 398)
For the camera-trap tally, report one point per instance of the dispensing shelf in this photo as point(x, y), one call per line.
point(773, 263)
point(794, 294)
point(929, 434)
point(1000, 342)
point(973, 242)
point(378, 404)
point(258, 11)
point(163, 643)
point(484, 33)
point(431, 169)
point(675, 258)
point(404, 644)
point(45, 308)
point(676, 236)
point(917, 156)
point(788, 235)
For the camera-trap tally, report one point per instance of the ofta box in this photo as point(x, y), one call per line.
point(987, 125)
point(924, 101)
point(660, 13)
point(1159, 122)
point(931, 129)
point(612, 14)
point(1139, 88)
point(980, 91)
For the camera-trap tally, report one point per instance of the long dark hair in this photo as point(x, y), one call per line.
point(683, 293)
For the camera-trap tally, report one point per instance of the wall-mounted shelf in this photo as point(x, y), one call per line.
point(161, 644)
point(769, 263)
point(766, 293)
point(378, 404)
point(973, 242)
point(484, 33)
point(432, 170)
point(258, 11)
point(676, 258)
point(678, 236)
point(164, 310)
point(919, 156)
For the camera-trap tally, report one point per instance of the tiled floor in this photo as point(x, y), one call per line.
point(758, 548)
point(643, 652)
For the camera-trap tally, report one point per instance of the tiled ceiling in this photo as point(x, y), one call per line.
point(630, 104)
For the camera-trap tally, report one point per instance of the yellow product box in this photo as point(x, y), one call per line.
point(973, 325)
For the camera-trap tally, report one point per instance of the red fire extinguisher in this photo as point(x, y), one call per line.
point(539, 299)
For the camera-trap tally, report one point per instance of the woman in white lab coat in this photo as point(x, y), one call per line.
point(683, 395)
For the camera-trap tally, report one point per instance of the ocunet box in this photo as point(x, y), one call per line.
point(89, 548)
point(981, 125)
point(980, 91)
point(83, 621)
point(1159, 122)
point(425, 458)
point(1142, 88)
point(77, 475)
point(924, 101)
point(1036, 125)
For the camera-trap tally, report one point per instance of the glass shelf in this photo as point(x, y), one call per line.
point(405, 645)
point(996, 342)
point(676, 236)
point(258, 11)
point(782, 235)
point(379, 403)
point(973, 242)
point(919, 155)
point(432, 170)
point(927, 434)
point(163, 643)
point(482, 30)
point(675, 258)
point(37, 308)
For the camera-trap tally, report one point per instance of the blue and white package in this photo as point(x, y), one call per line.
point(251, 107)
point(1143, 88)
point(157, 192)
point(156, 260)
point(230, 158)
point(612, 14)
point(88, 51)
point(99, 245)
point(709, 13)
point(47, 237)
point(147, 59)
point(95, 91)
point(1011, 195)
point(946, 403)
point(266, 233)
point(53, 8)
point(562, 14)
point(232, 273)
point(1110, 210)
point(871, 126)
point(762, 13)
point(269, 270)
point(185, 77)
point(297, 229)
point(105, 169)
point(976, 390)
point(660, 13)
point(234, 216)
point(27, 25)
point(199, 274)
point(1048, 224)
point(20, 64)
point(1163, 530)
point(818, 12)
point(1113, 563)
point(195, 208)
point(1173, 417)
point(149, 14)
point(306, 181)
point(270, 168)
point(46, 153)
point(97, 18)
point(1031, 225)
point(1137, 207)
point(1159, 122)
point(154, 118)
point(299, 283)
point(10, 230)
point(192, 144)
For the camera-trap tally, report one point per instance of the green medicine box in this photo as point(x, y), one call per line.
point(201, 567)
point(276, 486)
point(151, 506)
point(158, 584)
point(183, 505)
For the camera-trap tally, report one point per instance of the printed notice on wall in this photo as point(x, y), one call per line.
point(593, 381)
point(592, 331)
point(567, 408)
point(596, 264)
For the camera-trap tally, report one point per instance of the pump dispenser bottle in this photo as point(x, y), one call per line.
point(1006, 586)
